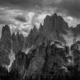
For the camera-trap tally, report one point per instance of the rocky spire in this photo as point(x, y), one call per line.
point(6, 36)
point(54, 26)
point(32, 37)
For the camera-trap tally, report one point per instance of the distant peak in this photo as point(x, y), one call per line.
point(78, 25)
point(54, 15)
point(13, 34)
point(48, 17)
point(5, 28)
point(35, 28)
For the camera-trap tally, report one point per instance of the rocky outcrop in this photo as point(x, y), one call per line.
point(31, 38)
point(46, 58)
point(20, 62)
point(5, 45)
point(17, 42)
point(54, 26)
point(6, 36)
point(48, 61)
point(20, 40)
point(52, 29)
point(76, 30)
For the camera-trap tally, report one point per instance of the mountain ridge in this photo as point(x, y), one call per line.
point(50, 52)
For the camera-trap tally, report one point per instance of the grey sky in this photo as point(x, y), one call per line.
point(18, 13)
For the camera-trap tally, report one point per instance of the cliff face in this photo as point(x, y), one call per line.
point(76, 30)
point(5, 45)
point(47, 61)
point(52, 52)
point(17, 42)
point(53, 26)
point(6, 36)
point(52, 29)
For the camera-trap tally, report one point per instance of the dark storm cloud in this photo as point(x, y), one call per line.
point(21, 3)
point(21, 18)
point(4, 21)
point(69, 7)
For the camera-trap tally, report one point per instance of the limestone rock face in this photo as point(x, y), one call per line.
point(5, 45)
point(52, 29)
point(31, 39)
point(44, 57)
point(54, 26)
point(21, 41)
point(76, 30)
point(6, 36)
point(17, 42)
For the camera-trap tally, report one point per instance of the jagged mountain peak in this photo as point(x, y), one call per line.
point(13, 34)
point(53, 26)
point(45, 53)
point(52, 16)
point(6, 27)
point(52, 29)
point(78, 25)
point(55, 15)
point(6, 36)
point(76, 30)
point(6, 30)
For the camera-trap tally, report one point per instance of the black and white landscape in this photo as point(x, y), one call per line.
point(50, 52)
point(37, 42)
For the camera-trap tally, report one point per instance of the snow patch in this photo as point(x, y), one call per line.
point(27, 50)
point(59, 46)
point(69, 38)
point(12, 58)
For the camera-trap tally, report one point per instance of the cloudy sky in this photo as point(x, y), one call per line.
point(22, 15)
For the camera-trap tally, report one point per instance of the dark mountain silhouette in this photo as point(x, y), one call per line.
point(5, 45)
point(76, 30)
point(41, 55)
point(6, 36)
point(52, 28)
point(46, 62)
point(17, 42)
point(31, 39)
